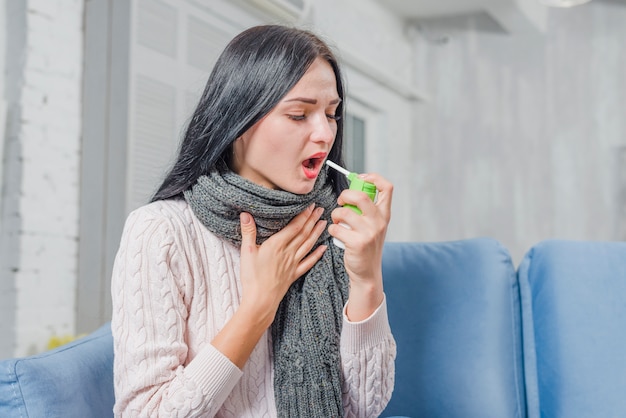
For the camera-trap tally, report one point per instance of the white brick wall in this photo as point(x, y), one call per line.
point(2, 77)
point(44, 151)
point(5, 282)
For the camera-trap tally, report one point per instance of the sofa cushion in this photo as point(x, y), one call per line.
point(455, 314)
point(574, 316)
point(74, 380)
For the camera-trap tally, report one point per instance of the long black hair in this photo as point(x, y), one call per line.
point(253, 73)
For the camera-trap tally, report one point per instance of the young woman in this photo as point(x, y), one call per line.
point(229, 297)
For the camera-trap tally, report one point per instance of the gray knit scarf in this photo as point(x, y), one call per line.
point(307, 326)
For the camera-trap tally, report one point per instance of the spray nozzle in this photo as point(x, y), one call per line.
point(355, 184)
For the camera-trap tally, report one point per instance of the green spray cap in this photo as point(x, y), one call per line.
point(363, 186)
point(355, 184)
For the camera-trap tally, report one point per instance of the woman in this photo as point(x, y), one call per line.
point(229, 297)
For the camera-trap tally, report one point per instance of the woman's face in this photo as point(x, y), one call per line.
point(287, 148)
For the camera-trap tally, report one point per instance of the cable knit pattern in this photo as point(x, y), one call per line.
point(174, 286)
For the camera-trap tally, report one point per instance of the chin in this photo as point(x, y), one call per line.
point(299, 189)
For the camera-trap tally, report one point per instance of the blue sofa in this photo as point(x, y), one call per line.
point(574, 325)
point(476, 338)
point(74, 380)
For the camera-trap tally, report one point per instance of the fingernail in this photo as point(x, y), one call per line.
point(245, 218)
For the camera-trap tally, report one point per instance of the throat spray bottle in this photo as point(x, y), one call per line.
point(355, 184)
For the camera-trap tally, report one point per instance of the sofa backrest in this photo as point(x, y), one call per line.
point(454, 310)
point(74, 380)
point(464, 347)
point(574, 322)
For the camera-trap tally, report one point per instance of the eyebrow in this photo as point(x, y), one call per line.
point(311, 101)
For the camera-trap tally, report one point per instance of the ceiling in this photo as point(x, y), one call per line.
point(437, 8)
point(512, 15)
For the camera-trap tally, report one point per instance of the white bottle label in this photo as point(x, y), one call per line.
point(336, 241)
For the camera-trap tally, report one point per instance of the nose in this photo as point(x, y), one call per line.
point(324, 130)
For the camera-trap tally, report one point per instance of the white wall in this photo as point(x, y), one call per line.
point(3, 39)
point(40, 193)
point(523, 138)
point(6, 285)
point(518, 139)
point(376, 53)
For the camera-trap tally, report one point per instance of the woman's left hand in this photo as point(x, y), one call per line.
point(364, 240)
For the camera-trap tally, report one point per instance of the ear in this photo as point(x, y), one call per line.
point(237, 153)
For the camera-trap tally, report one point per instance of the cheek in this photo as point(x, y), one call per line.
point(275, 147)
point(283, 145)
point(272, 138)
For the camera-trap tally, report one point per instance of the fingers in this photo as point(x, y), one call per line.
point(304, 231)
point(248, 232)
point(362, 201)
point(311, 237)
point(283, 257)
point(300, 234)
point(300, 221)
point(365, 232)
point(309, 261)
point(270, 268)
point(301, 227)
point(297, 238)
point(384, 187)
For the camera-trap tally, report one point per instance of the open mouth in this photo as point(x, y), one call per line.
point(312, 165)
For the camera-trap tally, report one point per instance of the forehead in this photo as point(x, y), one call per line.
point(319, 76)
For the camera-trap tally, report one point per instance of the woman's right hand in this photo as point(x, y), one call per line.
point(269, 269)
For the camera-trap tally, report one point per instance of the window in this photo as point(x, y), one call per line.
point(354, 143)
point(146, 63)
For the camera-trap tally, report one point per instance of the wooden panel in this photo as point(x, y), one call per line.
point(204, 44)
point(157, 26)
point(152, 144)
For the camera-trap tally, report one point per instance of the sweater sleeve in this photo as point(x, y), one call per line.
point(368, 352)
point(152, 375)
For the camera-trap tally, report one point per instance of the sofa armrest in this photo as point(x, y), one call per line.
point(574, 322)
point(74, 380)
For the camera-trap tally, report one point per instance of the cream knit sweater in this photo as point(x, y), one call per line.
point(174, 285)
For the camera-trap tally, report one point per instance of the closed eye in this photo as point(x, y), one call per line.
point(333, 117)
point(303, 117)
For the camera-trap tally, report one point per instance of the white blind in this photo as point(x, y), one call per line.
point(153, 135)
point(174, 46)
